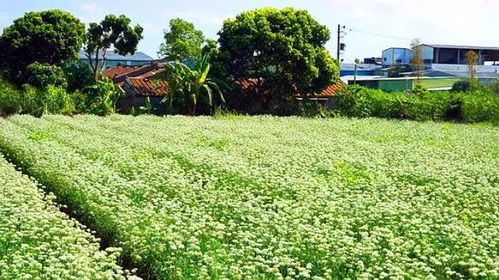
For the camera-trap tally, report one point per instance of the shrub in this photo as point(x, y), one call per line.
point(461, 86)
point(10, 98)
point(53, 100)
point(494, 87)
point(41, 75)
point(78, 75)
point(102, 97)
point(480, 106)
point(477, 106)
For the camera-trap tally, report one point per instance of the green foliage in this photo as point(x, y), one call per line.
point(102, 97)
point(78, 75)
point(394, 71)
point(49, 100)
point(461, 86)
point(478, 106)
point(494, 87)
point(51, 37)
point(187, 85)
point(41, 75)
point(282, 48)
point(10, 98)
point(146, 109)
point(182, 41)
point(112, 31)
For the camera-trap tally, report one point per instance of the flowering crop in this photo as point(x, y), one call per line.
point(37, 241)
point(275, 198)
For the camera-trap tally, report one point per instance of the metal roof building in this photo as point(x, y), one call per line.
point(114, 59)
point(455, 54)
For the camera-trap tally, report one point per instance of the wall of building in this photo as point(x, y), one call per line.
point(396, 56)
point(112, 63)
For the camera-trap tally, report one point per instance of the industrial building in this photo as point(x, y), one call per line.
point(455, 54)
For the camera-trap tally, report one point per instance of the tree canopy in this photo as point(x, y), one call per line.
point(182, 41)
point(281, 49)
point(112, 31)
point(50, 37)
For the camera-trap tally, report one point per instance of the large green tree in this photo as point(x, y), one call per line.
point(281, 50)
point(182, 41)
point(113, 31)
point(50, 37)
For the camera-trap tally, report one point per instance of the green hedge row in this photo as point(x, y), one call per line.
point(477, 106)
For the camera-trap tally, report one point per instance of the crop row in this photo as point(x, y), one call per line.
point(37, 241)
point(275, 198)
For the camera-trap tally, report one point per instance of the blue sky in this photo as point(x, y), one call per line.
point(375, 24)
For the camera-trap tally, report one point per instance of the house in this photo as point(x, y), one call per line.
point(113, 59)
point(147, 82)
point(140, 83)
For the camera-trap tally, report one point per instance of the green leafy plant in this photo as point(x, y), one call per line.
point(102, 97)
point(187, 85)
point(78, 75)
point(41, 75)
point(461, 86)
point(52, 100)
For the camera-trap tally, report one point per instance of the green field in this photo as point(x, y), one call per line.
point(274, 198)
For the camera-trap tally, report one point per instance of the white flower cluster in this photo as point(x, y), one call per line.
point(37, 241)
point(275, 198)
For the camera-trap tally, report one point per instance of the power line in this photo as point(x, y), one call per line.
point(380, 35)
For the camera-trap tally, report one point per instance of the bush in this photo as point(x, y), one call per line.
point(102, 97)
point(10, 98)
point(461, 86)
point(41, 75)
point(53, 100)
point(78, 75)
point(477, 106)
point(480, 106)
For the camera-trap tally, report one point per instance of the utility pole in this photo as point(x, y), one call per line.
point(339, 45)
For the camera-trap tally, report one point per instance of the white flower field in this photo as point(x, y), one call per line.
point(253, 197)
point(37, 240)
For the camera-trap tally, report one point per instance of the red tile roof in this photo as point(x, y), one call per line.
point(327, 92)
point(120, 73)
point(146, 87)
point(331, 90)
point(119, 70)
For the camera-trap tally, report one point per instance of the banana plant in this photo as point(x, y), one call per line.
point(189, 84)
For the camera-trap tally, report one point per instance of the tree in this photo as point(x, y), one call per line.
point(182, 41)
point(78, 75)
point(417, 60)
point(50, 37)
point(280, 50)
point(187, 85)
point(41, 75)
point(112, 31)
point(472, 60)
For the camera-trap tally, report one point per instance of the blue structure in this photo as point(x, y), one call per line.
point(363, 69)
point(114, 59)
point(397, 56)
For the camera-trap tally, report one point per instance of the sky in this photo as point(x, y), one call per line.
point(371, 25)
